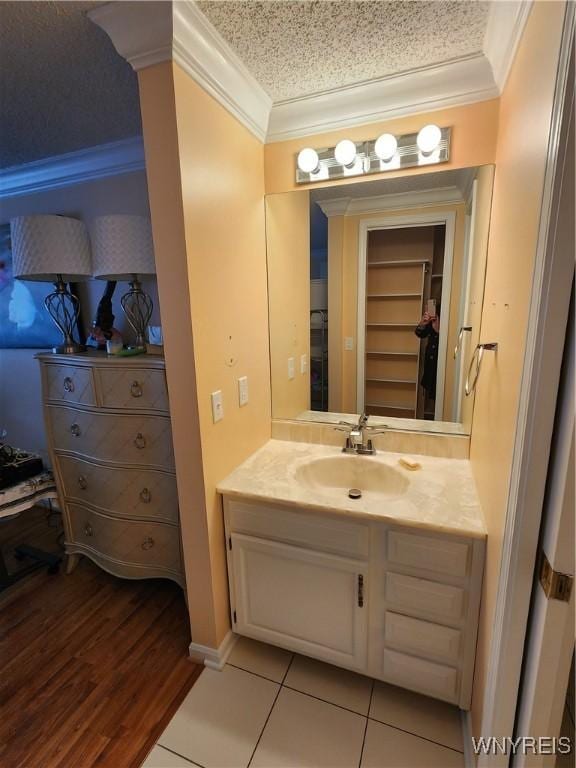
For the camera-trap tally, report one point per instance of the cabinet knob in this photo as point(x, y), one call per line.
point(148, 543)
point(68, 384)
point(140, 441)
point(136, 389)
point(145, 496)
point(82, 482)
point(75, 430)
point(88, 530)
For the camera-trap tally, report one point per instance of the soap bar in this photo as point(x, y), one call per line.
point(410, 464)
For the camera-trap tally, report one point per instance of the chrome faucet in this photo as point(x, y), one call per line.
point(357, 442)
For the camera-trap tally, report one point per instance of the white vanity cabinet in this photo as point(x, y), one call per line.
point(396, 603)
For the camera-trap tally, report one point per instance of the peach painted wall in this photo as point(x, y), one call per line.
point(525, 113)
point(288, 246)
point(474, 128)
point(207, 201)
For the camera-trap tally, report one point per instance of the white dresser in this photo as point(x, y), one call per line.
point(110, 442)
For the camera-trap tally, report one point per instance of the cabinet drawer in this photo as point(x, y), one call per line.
point(69, 383)
point(129, 541)
point(429, 554)
point(133, 388)
point(310, 531)
point(134, 439)
point(425, 597)
point(127, 492)
point(422, 638)
point(420, 675)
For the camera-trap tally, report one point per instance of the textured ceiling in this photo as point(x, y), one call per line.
point(299, 48)
point(63, 87)
point(420, 183)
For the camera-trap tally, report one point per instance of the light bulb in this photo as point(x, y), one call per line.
point(428, 139)
point(345, 152)
point(308, 160)
point(386, 146)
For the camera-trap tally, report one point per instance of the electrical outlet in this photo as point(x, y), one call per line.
point(243, 390)
point(303, 363)
point(217, 406)
point(291, 368)
point(348, 343)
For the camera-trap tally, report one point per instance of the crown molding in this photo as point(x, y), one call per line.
point(112, 159)
point(506, 22)
point(461, 81)
point(147, 33)
point(356, 206)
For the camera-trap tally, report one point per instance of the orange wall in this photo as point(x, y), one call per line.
point(209, 231)
point(473, 142)
point(525, 113)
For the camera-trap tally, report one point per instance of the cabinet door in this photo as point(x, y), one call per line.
point(304, 600)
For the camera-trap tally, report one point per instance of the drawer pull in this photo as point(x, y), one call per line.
point(148, 543)
point(82, 482)
point(360, 591)
point(68, 384)
point(88, 530)
point(75, 430)
point(140, 441)
point(136, 389)
point(145, 496)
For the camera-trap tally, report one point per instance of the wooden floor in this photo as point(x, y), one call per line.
point(91, 667)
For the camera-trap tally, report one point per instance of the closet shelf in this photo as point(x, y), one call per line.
point(390, 352)
point(393, 296)
point(400, 263)
point(391, 381)
point(392, 325)
point(395, 406)
point(436, 277)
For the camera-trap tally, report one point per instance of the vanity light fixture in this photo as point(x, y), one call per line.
point(386, 147)
point(308, 160)
point(429, 139)
point(345, 153)
point(430, 146)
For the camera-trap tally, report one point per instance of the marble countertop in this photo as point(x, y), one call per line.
point(441, 496)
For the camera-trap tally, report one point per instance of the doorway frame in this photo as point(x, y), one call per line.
point(408, 221)
point(551, 287)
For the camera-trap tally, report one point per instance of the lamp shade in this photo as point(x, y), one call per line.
point(122, 247)
point(46, 246)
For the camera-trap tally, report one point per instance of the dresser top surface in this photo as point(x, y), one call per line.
point(98, 358)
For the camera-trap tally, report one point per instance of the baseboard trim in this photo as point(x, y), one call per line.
point(213, 658)
point(469, 756)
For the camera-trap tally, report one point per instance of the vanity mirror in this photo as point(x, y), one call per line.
point(375, 298)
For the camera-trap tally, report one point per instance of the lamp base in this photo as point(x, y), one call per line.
point(137, 306)
point(68, 349)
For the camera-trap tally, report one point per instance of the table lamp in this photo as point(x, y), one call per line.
point(123, 250)
point(53, 249)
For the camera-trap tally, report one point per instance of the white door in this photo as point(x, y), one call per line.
point(300, 599)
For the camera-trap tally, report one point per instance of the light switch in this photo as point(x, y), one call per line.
point(217, 406)
point(303, 363)
point(348, 343)
point(291, 368)
point(243, 390)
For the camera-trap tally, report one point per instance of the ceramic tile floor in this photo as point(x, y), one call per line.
point(269, 708)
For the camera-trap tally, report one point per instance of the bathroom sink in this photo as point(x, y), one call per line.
point(352, 472)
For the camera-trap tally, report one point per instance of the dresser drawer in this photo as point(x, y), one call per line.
point(69, 383)
point(133, 388)
point(127, 492)
point(124, 439)
point(425, 597)
point(128, 541)
point(420, 675)
point(422, 638)
point(429, 554)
